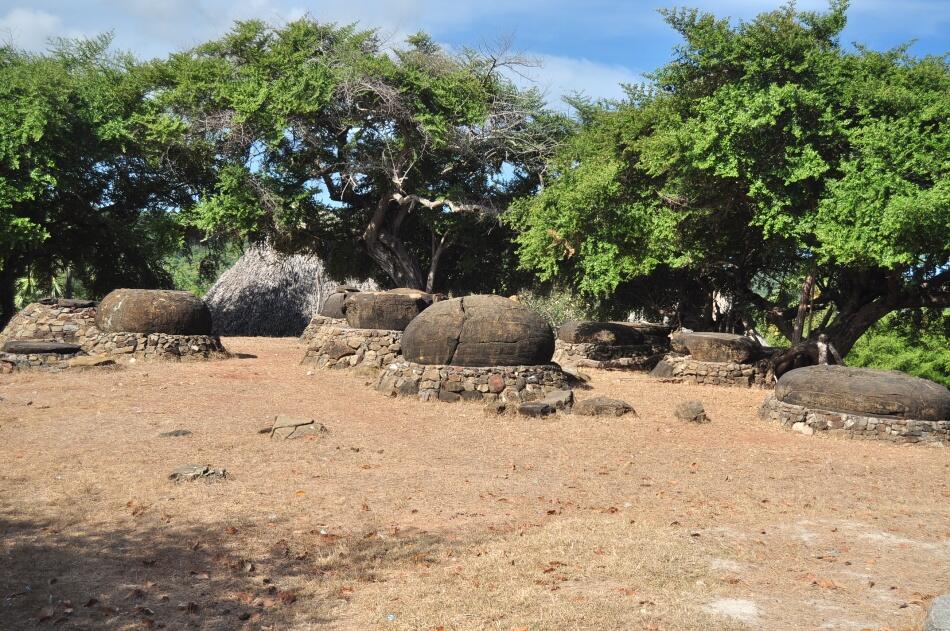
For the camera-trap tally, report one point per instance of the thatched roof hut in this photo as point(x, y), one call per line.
point(270, 294)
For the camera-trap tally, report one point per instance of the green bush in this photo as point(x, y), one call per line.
point(558, 305)
point(898, 342)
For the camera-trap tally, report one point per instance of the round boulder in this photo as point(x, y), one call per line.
point(609, 333)
point(153, 311)
point(722, 347)
point(384, 310)
point(864, 391)
point(478, 331)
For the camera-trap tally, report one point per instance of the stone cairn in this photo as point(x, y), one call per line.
point(155, 324)
point(721, 359)
point(476, 348)
point(860, 403)
point(368, 331)
point(611, 345)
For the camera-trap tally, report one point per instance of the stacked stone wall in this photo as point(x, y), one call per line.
point(457, 383)
point(165, 346)
point(52, 323)
point(336, 345)
point(317, 323)
point(10, 362)
point(685, 369)
point(809, 421)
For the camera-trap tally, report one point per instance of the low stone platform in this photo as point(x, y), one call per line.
point(334, 344)
point(164, 346)
point(62, 320)
point(11, 362)
point(609, 357)
point(685, 369)
point(456, 383)
point(809, 421)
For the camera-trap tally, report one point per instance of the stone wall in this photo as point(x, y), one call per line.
point(455, 383)
point(157, 346)
point(335, 345)
point(318, 322)
point(10, 362)
point(53, 323)
point(685, 369)
point(808, 421)
point(605, 356)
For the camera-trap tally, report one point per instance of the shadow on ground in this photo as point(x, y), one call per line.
point(173, 578)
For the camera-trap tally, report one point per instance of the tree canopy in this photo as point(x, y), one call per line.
point(767, 162)
point(81, 177)
point(322, 139)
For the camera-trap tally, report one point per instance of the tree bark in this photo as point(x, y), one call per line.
point(803, 308)
point(438, 248)
point(8, 276)
point(387, 249)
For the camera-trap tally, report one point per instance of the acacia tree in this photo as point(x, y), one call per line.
point(795, 177)
point(82, 180)
point(325, 141)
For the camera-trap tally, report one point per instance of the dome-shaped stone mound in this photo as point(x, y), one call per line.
point(333, 305)
point(384, 310)
point(722, 347)
point(153, 311)
point(478, 331)
point(589, 332)
point(864, 391)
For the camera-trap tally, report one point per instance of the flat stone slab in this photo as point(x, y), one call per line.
point(286, 427)
point(192, 472)
point(938, 617)
point(39, 347)
point(602, 406)
point(536, 409)
point(176, 433)
point(90, 361)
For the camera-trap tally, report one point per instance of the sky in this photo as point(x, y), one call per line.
point(590, 46)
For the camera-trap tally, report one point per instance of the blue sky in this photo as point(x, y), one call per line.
point(591, 46)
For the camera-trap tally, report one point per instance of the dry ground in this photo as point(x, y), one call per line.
point(411, 515)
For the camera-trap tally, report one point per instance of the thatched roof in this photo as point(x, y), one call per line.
point(269, 294)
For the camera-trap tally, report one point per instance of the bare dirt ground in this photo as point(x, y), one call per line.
point(411, 515)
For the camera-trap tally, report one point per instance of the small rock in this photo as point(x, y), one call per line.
point(175, 433)
point(662, 370)
point(286, 427)
point(535, 409)
point(602, 406)
point(803, 428)
point(938, 618)
point(496, 408)
point(198, 472)
point(86, 361)
point(560, 399)
point(692, 412)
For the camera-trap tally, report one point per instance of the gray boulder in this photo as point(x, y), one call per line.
point(608, 333)
point(692, 412)
point(722, 347)
point(864, 391)
point(39, 347)
point(478, 331)
point(384, 310)
point(153, 311)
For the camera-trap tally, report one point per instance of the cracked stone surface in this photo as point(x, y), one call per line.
point(590, 332)
point(384, 310)
point(864, 391)
point(721, 347)
point(478, 331)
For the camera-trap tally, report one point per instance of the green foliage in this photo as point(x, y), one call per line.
point(558, 305)
point(762, 152)
point(898, 342)
point(195, 268)
point(82, 184)
point(310, 128)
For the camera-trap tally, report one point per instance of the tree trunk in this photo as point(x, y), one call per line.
point(438, 248)
point(8, 276)
point(803, 308)
point(387, 249)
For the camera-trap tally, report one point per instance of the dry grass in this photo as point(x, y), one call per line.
point(418, 509)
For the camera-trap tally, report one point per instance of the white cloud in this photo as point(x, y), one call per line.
point(31, 29)
point(558, 76)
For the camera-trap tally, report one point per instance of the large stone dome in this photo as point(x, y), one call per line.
point(153, 311)
point(590, 332)
point(478, 331)
point(384, 309)
point(864, 391)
